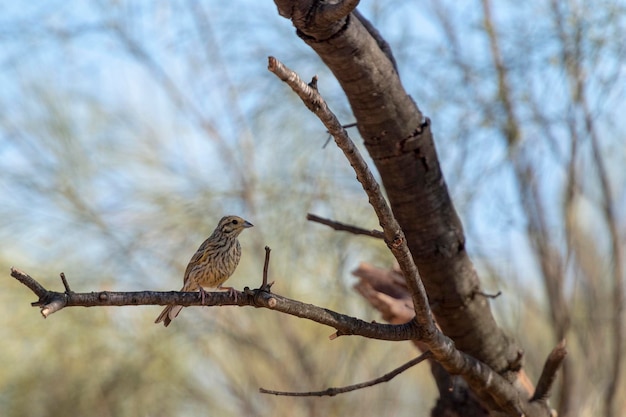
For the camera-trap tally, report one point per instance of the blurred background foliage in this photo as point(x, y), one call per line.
point(129, 128)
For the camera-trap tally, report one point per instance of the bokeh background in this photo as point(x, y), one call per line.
point(128, 128)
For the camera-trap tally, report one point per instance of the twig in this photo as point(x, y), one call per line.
point(342, 390)
point(49, 301)
point(29, 281)
point(266, 266)
point(329, 135)
point(65, 284)
point(548, 375)
point(345, 227)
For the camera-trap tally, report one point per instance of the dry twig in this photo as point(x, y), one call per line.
point(345, 227)
point(331, 392)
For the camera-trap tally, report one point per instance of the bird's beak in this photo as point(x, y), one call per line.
point(247, 224)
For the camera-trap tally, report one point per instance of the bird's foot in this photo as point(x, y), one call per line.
point(231, 291)
point(202, 295)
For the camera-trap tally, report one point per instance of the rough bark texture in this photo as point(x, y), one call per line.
point(497, 393)
point(400, 142)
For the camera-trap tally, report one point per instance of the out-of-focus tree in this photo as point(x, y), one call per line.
point(541, 98)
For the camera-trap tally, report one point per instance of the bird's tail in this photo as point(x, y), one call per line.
point(168, 314)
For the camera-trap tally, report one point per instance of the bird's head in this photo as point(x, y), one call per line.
point(232, 225)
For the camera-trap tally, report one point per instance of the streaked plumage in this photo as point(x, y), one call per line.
point(212, 264)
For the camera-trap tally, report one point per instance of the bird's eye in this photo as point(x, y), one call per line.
point(235, 221)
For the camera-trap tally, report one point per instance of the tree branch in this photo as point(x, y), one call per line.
point(266, 267)
point(548, 375)
point(52, 301)
point(30, 282)
point(345, 227)
point(331, 392)
point(65, 284)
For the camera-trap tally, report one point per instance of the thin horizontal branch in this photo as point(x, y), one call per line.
point(330, 392)
point(345, 227)
point(52, 301)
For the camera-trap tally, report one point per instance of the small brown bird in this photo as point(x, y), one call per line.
point(212, 264)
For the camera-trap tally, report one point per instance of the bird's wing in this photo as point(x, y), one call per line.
point(197, 262)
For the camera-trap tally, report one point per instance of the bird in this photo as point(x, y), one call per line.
point(212, 264)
